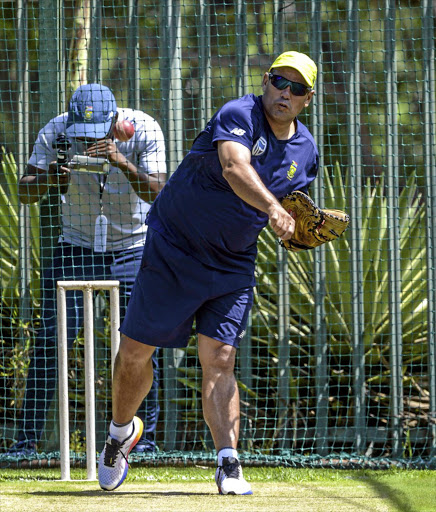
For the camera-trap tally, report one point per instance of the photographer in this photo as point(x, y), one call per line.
point(105, 198)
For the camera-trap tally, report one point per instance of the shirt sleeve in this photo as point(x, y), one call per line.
point(234, 122)
point(152, 158)
point(43, 152)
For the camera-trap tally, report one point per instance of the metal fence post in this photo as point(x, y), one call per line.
point(94, 63)
point(52, 102)
point(319, 264)
point(23, 144)
point(133, 60)
point(204, 62)
point(355, 174)
point(428, 105)
point(172, 116)
point(392, 194)
point(171, 71)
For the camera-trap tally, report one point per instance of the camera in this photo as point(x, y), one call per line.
point(81, 163)
point(89, 164)
point(62, 146)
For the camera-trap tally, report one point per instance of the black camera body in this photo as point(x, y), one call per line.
point(62, 145)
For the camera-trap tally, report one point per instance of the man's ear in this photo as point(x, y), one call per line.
point(111, 131)
point(265, 81)
point(309, 98)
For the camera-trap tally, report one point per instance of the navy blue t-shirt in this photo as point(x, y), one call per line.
point(197, 209)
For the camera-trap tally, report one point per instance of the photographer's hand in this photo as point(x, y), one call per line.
point(106, 148)
point(59, 176)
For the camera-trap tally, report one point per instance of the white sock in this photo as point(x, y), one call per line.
point(120, 432)
point(226, 452)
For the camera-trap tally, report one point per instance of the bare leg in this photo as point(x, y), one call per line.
point(133, 376)
point(132, 381)
point(220, 395)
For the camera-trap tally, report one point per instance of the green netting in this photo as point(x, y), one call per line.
point(338, 365)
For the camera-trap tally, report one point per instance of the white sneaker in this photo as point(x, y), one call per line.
point(113, 465)
point(229, 479)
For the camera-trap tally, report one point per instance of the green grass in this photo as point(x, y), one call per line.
point(193, 489)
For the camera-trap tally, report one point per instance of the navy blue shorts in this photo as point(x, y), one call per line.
point(172, 289)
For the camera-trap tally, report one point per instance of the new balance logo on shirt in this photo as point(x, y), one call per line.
point(238, 131)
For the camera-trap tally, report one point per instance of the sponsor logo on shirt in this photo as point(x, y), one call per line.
point(292, 170)
point(238, 131)
point(259, 147)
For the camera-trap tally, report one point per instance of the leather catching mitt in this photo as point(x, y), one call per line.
point(313, 225)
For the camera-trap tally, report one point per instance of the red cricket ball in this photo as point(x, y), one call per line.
point(123, 130)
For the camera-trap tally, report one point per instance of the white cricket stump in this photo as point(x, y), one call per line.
point(87, 287)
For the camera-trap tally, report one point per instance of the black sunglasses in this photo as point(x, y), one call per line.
point(297, 89)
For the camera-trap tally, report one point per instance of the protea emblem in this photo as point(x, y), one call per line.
point(88, 114)
point(259, 147)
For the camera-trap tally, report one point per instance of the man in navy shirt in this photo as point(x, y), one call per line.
point(199, 258)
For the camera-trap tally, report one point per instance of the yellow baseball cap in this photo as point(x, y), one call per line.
point(300, 62)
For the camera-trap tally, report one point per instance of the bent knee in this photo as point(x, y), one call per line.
point(133, 351)
point(217, 355)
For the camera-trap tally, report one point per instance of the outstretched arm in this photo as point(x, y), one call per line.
point(35, 183)
point(235, 159)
